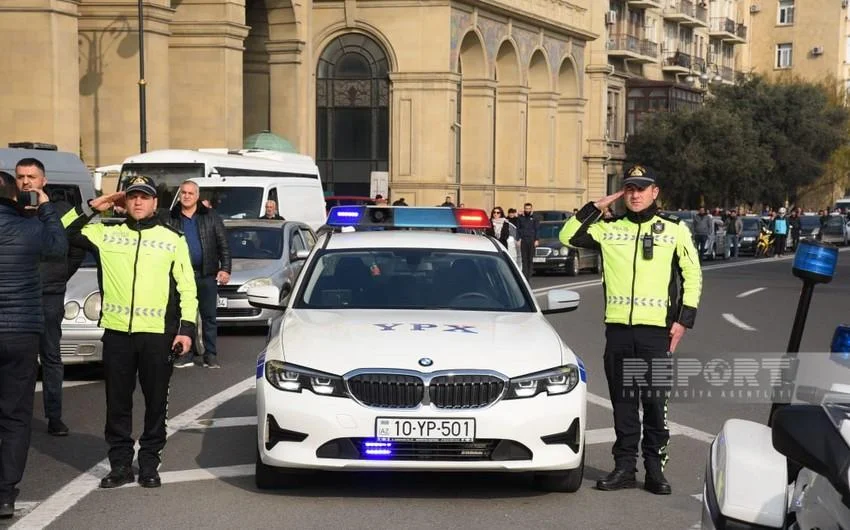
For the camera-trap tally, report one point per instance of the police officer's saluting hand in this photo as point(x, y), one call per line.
point(149, 303)
point(653, 283)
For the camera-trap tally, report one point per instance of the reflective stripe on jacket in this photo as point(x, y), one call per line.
point(143, 266)
point(639, 290)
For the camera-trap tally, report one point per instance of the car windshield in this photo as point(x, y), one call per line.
point(808, 222)
point(751, 224)
point(413, 279)
point(255, 242)
point(835, 225)
point(550, 215)
point(234, 202)
point(549, 231)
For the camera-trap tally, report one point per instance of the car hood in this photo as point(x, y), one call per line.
point(82, 284)
point(243, 270)
point(340, 341)
point(551, 243)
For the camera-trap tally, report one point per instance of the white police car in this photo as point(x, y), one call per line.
point(417, 350)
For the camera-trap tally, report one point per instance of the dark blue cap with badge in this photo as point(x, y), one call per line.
point(640, 176)
point(142, 184)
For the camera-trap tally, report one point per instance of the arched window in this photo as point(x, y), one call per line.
point(352, 114)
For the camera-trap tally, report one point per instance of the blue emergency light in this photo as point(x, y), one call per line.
point(408, 217)
point(815, 261)
point(840, 347)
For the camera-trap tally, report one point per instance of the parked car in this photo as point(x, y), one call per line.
point(264, 252)
point(552, 215)
point(835, 231)
point(553, 256)
point(81, 335)
point(750, 234)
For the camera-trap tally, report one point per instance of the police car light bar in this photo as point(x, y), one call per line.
point(408, 217)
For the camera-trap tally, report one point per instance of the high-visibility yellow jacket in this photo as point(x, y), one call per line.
point(144, 267)
point(639, 290)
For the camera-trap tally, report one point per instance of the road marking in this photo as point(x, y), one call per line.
point(208, 473)
point(599, 436)
point(591, 283)
point(732, 319)
point(69, 495)
point(217, 423)
point(39, 386)
point(675, 428)
point(751, 291)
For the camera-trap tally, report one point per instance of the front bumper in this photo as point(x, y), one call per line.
point(303, 423)
point(81, 344)
point(551, 263)
point(239, 312)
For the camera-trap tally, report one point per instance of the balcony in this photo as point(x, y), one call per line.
point(727, 73)
point(686, 13)
point(645, 4)
point(727, 30)
point(633, 48)
point(677, 62)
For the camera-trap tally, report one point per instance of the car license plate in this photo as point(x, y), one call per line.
point(539, 260)
point(425, 429)
point(221, 302)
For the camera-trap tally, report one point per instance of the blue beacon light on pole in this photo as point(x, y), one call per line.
point(814, 263)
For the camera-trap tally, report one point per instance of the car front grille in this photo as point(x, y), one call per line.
point(395, 391)
point(237, 312)
point(465, 391)
point(542, 252)
point(477, 451)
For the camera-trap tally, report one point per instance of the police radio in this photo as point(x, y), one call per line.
point(648, 242)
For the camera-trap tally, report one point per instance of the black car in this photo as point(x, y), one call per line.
point(552, 256)
point(552, 215)
point(749, 236)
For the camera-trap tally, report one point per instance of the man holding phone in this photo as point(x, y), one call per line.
point(653, 283)
point(55, 271)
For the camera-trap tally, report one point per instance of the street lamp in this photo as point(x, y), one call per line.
point(143, 133)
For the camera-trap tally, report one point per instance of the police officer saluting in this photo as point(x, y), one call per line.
point(652, 283)
point(149, 308)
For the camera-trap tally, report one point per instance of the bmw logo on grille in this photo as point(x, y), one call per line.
point(425, 361)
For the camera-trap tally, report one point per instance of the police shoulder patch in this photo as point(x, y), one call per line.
point(669, 217)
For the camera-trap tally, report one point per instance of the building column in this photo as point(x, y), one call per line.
point(39, 100)
point(109, 79)
point(596, 156)
point(423, 137)
point(568, 172)
point(511, 122)
point(205, 53)
point(542, 110)
point(289, 93)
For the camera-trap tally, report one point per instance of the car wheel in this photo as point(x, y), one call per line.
point(198, 344)
point(573, 268)
point(568, 480)
point(269, 477)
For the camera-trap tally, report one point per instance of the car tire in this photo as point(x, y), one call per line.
point(269, 477)
point(567, 481)
point(198, 344)
point(573, 268)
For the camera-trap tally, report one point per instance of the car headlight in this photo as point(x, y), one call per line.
point(91, 308)
point(72, 309)
point(256, 282)
point(564, 251)
point(293, 378)
point(555, 381)
point(747, 239)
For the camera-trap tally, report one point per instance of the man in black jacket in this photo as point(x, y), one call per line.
point(527, 228)
point(55, 272)
point(210, 253)
point(24, 240)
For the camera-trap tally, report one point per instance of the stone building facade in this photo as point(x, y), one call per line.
point(487, 101)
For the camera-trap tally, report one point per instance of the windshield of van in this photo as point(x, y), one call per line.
point(232, 202)
point(167, 177)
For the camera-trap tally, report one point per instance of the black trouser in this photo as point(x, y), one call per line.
point(124, 355)
point(18, 369)
point(527, 251)
point(780, 244)
point(52, 369)
point(627, 350)
point(207, 304)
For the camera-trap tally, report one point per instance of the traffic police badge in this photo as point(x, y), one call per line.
point(657, 227)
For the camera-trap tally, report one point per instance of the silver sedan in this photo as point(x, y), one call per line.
point(80, 334)
point(264, 252)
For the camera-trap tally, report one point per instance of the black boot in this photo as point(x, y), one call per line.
point(149, 478)
point(655, 481)
point(119, 476)
point(619, 479)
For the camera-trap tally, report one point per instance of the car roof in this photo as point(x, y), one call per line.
point(410, 239)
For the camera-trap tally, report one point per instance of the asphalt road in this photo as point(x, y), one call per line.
point(747, 309)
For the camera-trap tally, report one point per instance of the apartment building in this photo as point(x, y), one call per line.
point(665, 55)
point(809, 39)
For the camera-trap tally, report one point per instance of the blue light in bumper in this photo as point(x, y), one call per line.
point(377, 449)
point(815, 261)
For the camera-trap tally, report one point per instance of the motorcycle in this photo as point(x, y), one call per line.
point(765, 243)
point(793, 475)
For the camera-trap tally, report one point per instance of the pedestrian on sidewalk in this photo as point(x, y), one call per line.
point(25, 240)
point(528, 226)
point(734, 229)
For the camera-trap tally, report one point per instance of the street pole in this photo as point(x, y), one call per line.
point(143, 129)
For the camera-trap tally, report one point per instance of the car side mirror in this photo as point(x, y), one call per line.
point(805, 435)
point(558, 301)
point(299, 255)
point(265, 297)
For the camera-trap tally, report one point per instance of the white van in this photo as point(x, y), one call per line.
point(68, 179)
point(842, 204)
point(253, 176)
